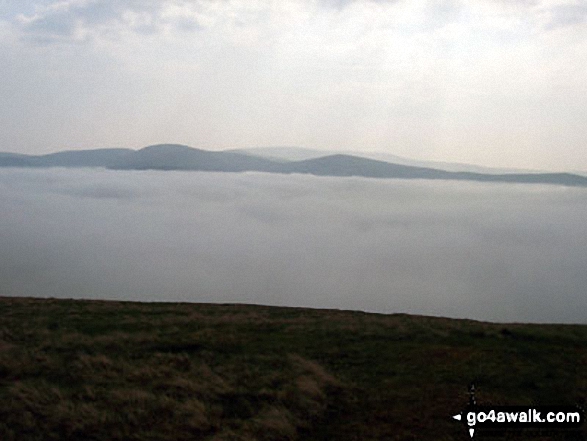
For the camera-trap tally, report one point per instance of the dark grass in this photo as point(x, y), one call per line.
point(97, 370)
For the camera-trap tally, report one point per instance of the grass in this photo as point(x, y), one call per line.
point(98, 370)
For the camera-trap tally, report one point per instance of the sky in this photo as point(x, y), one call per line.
point(485, 251)
point(488, 82)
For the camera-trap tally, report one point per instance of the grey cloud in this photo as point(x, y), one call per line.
point(341, 4)
point(338, 4)
point(483, 251)
point(59, 25)
point(104, 11)
point(49, 24)
point(567, 15)
point(59, 21)
point(187, 25)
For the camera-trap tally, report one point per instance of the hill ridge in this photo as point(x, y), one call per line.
point(182, 157)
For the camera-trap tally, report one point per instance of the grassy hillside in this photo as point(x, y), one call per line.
point(97, 370)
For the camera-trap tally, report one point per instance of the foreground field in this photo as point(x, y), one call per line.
point(97, 370)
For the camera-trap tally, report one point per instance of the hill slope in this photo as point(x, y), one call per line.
point(119, 370)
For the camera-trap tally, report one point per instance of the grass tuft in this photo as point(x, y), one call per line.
point(97, 370)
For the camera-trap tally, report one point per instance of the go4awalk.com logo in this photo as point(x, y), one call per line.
point(501, 418)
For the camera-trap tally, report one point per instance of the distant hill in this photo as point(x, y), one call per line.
point(181, 157)
point(72, 158)
point(16, 160)
point(86, 158)
point(345, 165)
point(287, 154)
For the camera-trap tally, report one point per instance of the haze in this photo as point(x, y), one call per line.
point(488, 82)
point(498, 252)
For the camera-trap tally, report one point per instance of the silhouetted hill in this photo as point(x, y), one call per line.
point(72, 158)
point(84, 158)
point(288, 154)
point(181, 157)
point(347, 165)
point(16, 160)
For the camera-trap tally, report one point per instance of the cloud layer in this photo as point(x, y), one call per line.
point(483, 251)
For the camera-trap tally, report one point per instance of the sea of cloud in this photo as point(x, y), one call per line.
point(496, 252)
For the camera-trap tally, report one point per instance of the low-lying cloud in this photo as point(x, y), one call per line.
point(485, 251)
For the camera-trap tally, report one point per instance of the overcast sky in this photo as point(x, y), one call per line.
point(490, 82)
